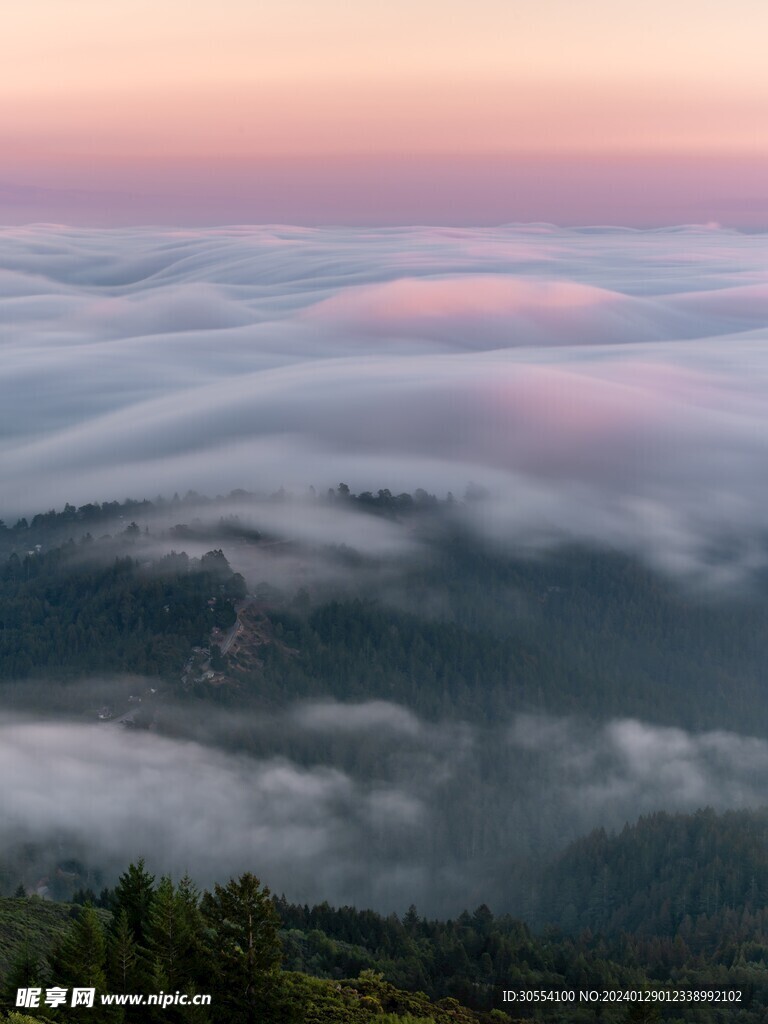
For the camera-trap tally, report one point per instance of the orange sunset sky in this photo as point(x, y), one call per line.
point(332, 111)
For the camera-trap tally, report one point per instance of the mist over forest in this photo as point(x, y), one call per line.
point(490, 508)
point(426, 719)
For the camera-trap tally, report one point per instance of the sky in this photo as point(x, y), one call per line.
point(328, 112)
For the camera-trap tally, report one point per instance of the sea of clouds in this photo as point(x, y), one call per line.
point(600, 383)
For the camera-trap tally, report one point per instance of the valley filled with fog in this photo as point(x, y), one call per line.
point(537, 605)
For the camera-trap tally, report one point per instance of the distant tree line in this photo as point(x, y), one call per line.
point(65, 611)
point(262, 958)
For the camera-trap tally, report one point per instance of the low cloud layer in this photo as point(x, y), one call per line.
point(604, 384)
point(625, 767)
point(362, 803)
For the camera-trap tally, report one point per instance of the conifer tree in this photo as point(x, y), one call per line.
point(82, 954)
point(195, 962)
point(245, 948)
point(134, 894)
point(123, 971)
point(80, 961)
point(25, 970)
point(169, 937)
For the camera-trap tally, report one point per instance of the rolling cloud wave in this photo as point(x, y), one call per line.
point(600, 383)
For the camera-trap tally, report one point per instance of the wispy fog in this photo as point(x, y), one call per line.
point(599, 383)
point(362, 803)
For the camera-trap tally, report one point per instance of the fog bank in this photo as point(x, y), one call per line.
point(357, 803)
point(601, 384)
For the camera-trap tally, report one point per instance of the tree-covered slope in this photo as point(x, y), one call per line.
point(34, 922)
point(697, 882)
point(161, 937)
point(74, 610)
point(461, 628)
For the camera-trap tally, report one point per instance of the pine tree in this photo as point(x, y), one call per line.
point(80, 961)
point(134, 894)
point(245, 949)
point(25, 970)
point(195, 964)
point(82, 955)
point(122, 957)
point(169, 936)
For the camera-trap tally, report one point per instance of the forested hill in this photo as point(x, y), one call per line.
point(70, 610)
point(697, 882)
point(459, 628)
point(325, 965)
point(679, 896)
point(157, 937)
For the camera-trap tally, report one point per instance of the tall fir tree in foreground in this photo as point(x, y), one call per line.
point(246, 951)
point(80, 961)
